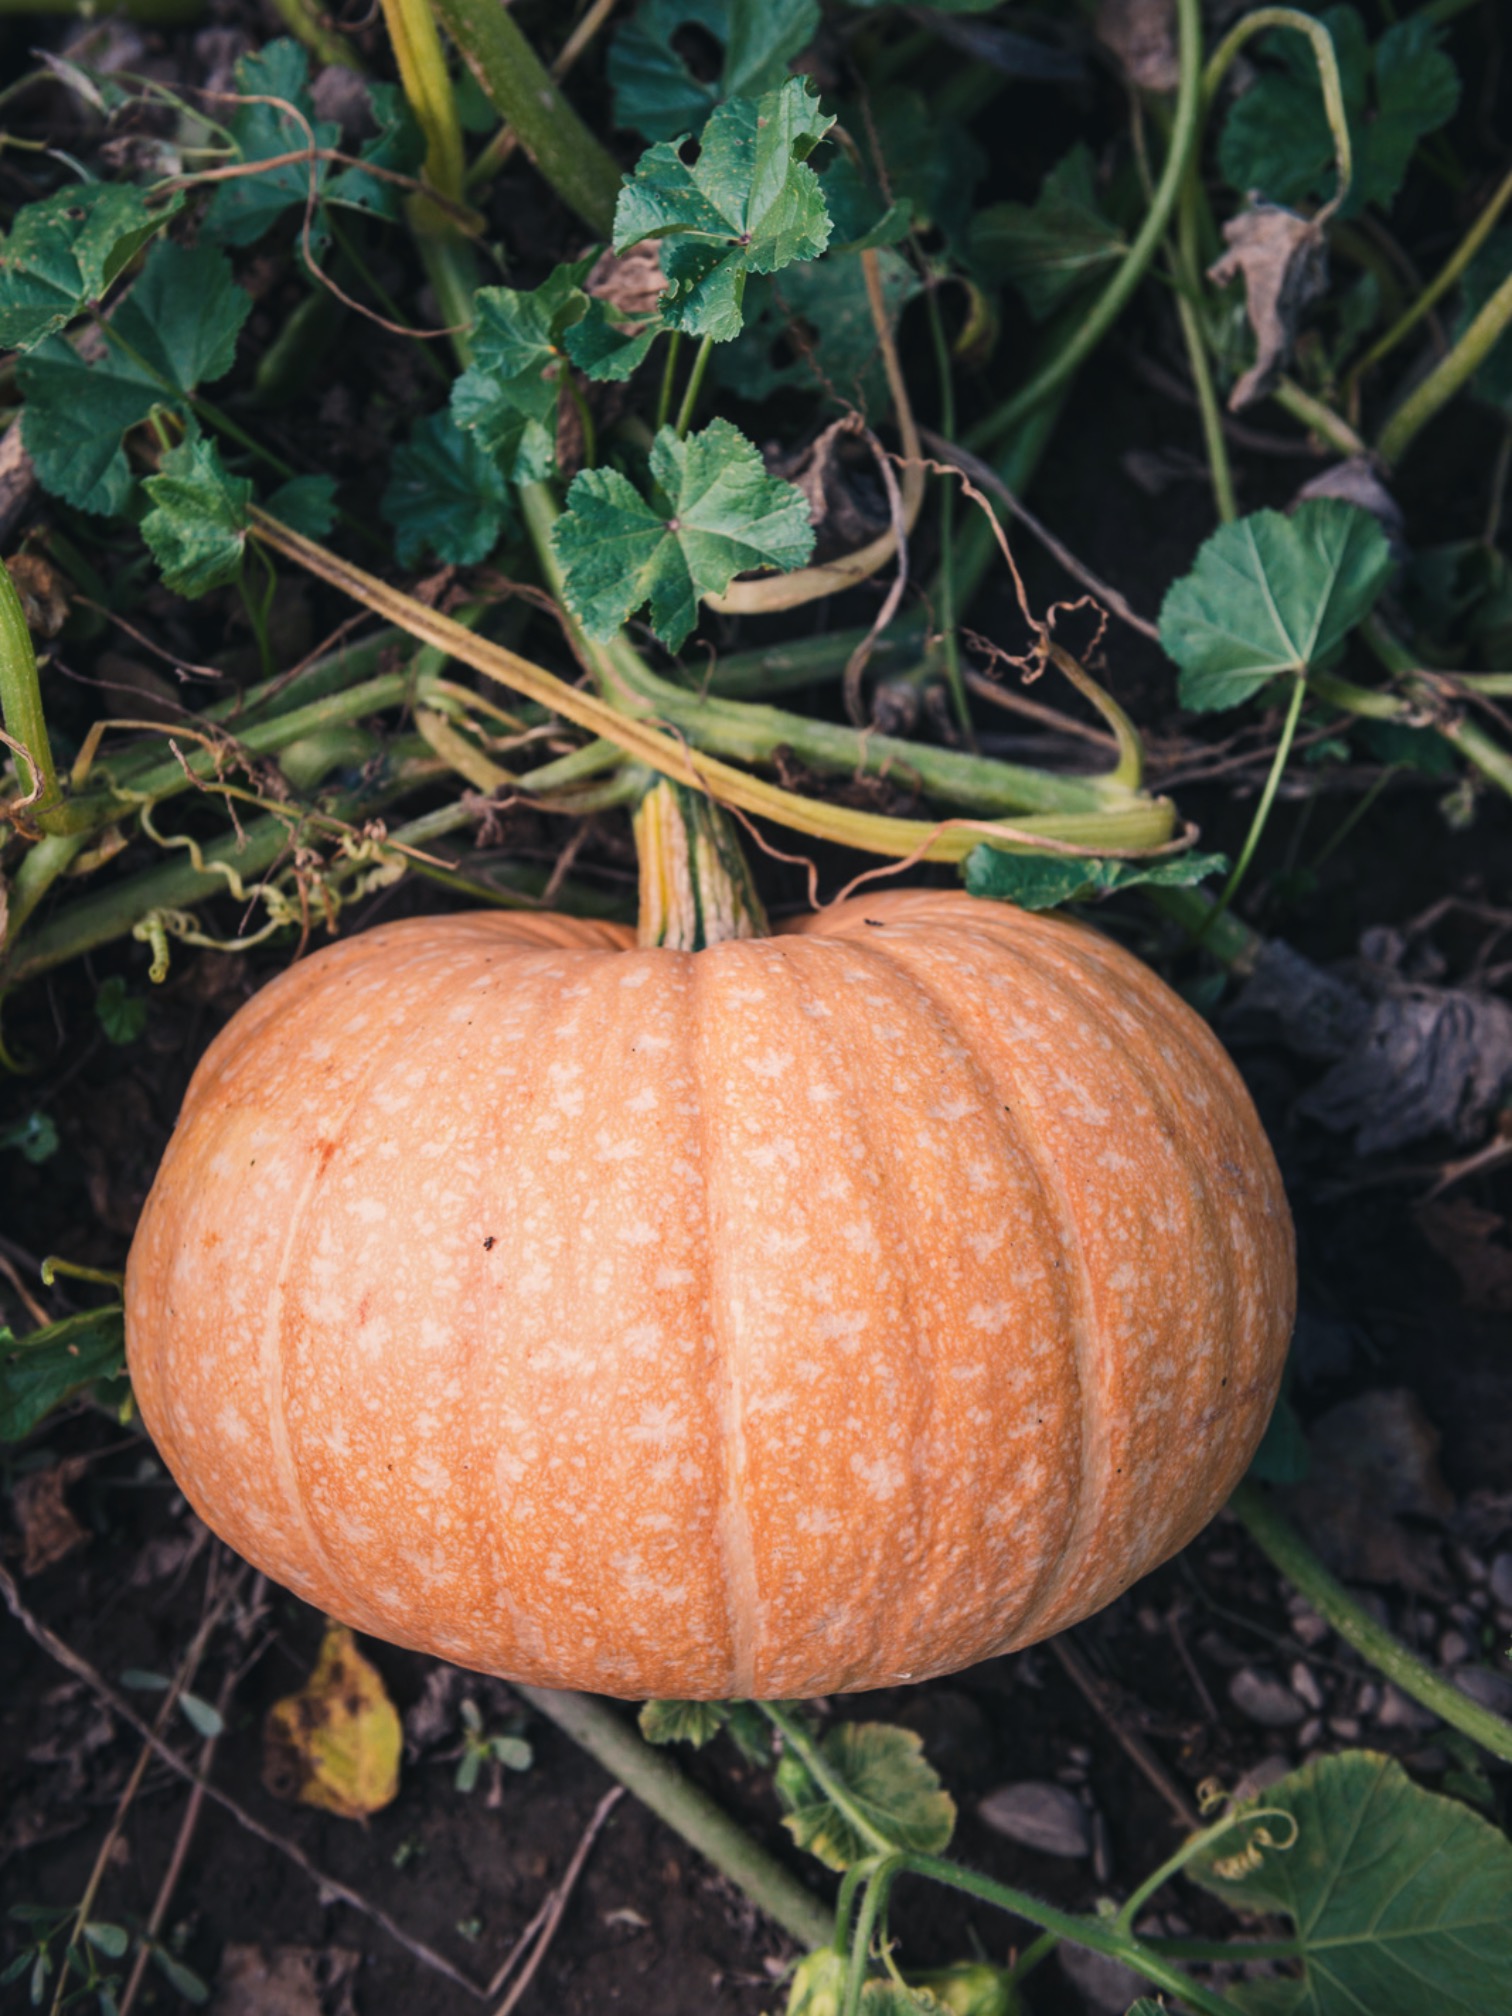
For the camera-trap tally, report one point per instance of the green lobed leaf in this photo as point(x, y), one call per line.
point(1276, 138)
point(182, 319)
point(749, 204)
point(1271, 594)
point(62, 253)
point(1401, 1899)
point(714, 512)
point(121, 1014)
point(1044, 881)
point(1052, 248)
point(932, 166)
point(242, 209)
point(657, 95)
point(886, 1775)
point(694, 1722)
point(306, 504)
point(197, 527)
point(40, 1371)
point(507, 398)
point(818, 320)
point(446, 494)
point(604, 345)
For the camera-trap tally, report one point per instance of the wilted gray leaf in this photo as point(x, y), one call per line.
point(1283, 259)
point(1358, 481)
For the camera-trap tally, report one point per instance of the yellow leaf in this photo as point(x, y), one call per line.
point(335, 1744)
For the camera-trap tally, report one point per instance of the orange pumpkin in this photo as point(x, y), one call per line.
point(808, 1313)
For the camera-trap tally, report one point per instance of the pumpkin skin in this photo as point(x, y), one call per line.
point(804, 1314)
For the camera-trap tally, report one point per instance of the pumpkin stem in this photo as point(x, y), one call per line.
point(695, 886)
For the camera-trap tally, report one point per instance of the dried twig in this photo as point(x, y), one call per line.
point(1133, 1746)
point(544, 1924)
point(74, 1662)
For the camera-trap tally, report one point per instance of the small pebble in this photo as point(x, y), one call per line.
point(1469, 1563)
point(1150, 1620)
point(1304, 1685)
point(1039, 1815)
point(1265, 1700)
point(1345, 1727)
point(1484, 1684)
point(1309, 1627)
point(1464, 1616)
point(1368, 1699)
point(1453, 1648)
point(1107, 1985)
point(1078, 1753)
point(1397, 1711)
point(1311, 1732)
point(1500, 1578)
point(1480, 1602)
point(1260, 1777)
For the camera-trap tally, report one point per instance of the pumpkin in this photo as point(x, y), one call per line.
point(807, 1313)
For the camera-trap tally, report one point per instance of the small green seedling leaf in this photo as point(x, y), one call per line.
point(42, 1370)
point(886, 1775)
point(446, 495)
point(197, 528)
point(1051, 249)
point(183, 1979)
point(121, 1014)
point(36, 1137)
point(695, 1722)
point(713, 512)
point(749, 204)
point(112, 1940)
point(1271, 595)
point(658, 96)
point(1276, 138)
point(201, 1716)
point(1401, 1900)
point(507, 398)
point(63, 253)
point(242, 209)
point(1045, 881)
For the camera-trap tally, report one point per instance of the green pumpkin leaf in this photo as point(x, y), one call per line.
point(446, 494)
point(1400, 1900)
point(658, 96)
point(40, 1371)
point(694, 1722)
point(1052, 248)
point(1276, 138)
point(197, 528)
point(243, 209)
point(507, 398)
point(182, 320)
point(1045, 881)
point(63, 253)
point(886, 1775)
point(1271, 595)
point(749, 204)
point(818, 313)
point(713, 512)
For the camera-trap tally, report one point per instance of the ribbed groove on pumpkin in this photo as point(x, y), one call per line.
point(273, 1348)
point(736, 1548)
point(1091, 1487)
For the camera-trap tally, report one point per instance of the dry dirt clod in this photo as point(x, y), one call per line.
point(1041, 1816)
point(286, 1981)
point(49, 1530)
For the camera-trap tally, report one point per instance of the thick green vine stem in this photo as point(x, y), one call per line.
point(1448, 376)
point(695, 884)
point(21, 710)
point(1110, 304)
point(656, 1782)
point(521, 90)
point(1328, 74)
point(1280, 1541)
